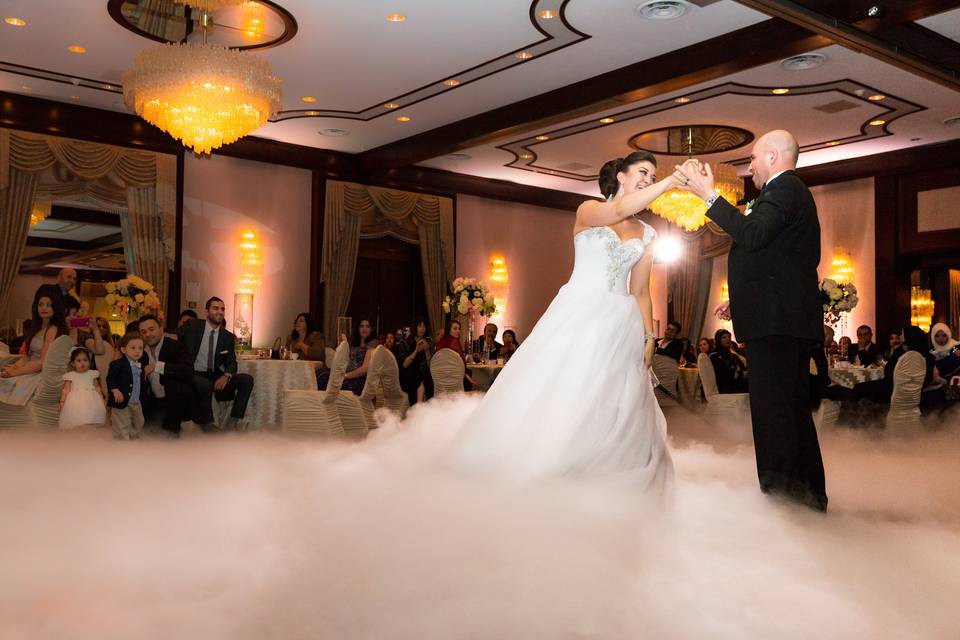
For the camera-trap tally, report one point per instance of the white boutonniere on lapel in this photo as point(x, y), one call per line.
point(749, 208)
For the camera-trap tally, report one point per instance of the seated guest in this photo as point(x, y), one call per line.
point(730, 370)
point(305, 340)
point(866, 353)
point(845, 348)
point(488, 346)
point(688, 356)
point(48, 322)
point(893, 343)
point(669, 344)
point(168, 368)
point(879, 391)
point(212, 348)
point(362, 344)
point(452, 341)
point(186, 316)
point(16, 343)
point(83, 331)
point(415, 352)
point(705, 346)
point(946, 351)
point(510, 344)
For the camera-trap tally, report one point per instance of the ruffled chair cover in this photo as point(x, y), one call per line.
point(447, 369)
point(908, 375)
point(726, 409)
point(666, 371)
point(330, 413)
point(382, 389)
point(43, 408)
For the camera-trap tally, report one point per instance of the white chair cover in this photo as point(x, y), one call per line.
point(728, 409)
point(328, 355)
point(666, 371)
point(447, 370)
point(43, 408)
point(382, 388)
point(827, 414)
point(330, 413)
point(904, 414)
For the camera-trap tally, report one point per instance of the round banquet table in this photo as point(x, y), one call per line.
point(484, 374)
point(270, 379)
point(850, 376)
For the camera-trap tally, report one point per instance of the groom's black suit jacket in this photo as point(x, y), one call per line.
point(772, 268)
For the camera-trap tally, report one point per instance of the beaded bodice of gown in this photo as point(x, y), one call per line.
point(602, 259)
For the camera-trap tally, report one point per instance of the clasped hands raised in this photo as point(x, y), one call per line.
point(695, 177)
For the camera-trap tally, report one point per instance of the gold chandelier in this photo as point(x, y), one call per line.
point(921, 308)
point(684, 209)
point(204, 95)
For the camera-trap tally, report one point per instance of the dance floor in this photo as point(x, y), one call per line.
point(259, 535)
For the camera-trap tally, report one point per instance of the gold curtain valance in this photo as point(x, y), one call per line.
point(34, 153)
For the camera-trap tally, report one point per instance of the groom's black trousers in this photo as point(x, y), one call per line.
point(785, 438)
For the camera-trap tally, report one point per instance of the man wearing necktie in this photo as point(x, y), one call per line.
point(775, 307)
point(212, 346)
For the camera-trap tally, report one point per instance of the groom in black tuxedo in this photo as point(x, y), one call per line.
point(775, 308)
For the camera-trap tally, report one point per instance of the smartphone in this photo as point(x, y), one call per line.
point(78, 322)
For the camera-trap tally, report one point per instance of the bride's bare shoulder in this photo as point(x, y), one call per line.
point(583, 215)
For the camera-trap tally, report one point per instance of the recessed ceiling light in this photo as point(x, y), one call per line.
point(878, 123)
point(832, 143)
point(396, 17)
point(25, 87)
point(334, 133)
point(606, 120)
point(526, 156)
point(543, 138)
point(15, 22)
point(75, 48)
point(74, 97)
point(458, 156)
point(662, 9)
point(780, 92)
point(108, 87)
point(952, 121)
point(683, 100)
point(552, 172)
point(452, 82)
point(523, 55)
point(803, 61)
point(547, 14)
point(309, 99)
point(877, 98)
point(404, 118)
point(391, 105)
point(312, 113)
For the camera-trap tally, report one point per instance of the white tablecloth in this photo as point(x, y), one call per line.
point(850, 376)
point(270, 379)
point(484, 374)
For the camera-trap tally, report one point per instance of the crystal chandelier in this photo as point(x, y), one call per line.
point(921, 308)
point(204, 95)
point(686, 210)
point(206, 6)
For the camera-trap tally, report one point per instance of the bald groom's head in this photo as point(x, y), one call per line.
point(773, 152)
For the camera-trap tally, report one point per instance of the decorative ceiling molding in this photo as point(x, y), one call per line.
point(62, 78)
point(557, 32)
point(889, 109)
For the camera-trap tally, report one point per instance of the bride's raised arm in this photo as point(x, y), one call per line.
point(595, 213)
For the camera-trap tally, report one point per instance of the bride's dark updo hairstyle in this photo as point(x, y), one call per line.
point(608, 172)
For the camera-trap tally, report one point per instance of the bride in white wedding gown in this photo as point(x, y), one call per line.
point(576, 399)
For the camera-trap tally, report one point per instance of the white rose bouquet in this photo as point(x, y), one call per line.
point(132, 297)
point(469, 297)
point(837, 298)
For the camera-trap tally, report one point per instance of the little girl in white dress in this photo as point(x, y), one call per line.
point(81, 401)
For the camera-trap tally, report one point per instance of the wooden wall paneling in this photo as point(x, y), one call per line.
point(911, 240)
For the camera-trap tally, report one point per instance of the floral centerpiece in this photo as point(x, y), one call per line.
point(132, 297)
point(837, 298)
point(469, 297)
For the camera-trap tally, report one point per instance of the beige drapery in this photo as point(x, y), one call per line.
point(142, 183)
point(354, 210)
point(953, 317)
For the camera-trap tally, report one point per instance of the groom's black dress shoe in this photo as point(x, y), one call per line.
point(795, 492)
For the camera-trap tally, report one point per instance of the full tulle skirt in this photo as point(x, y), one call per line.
point(575, 400)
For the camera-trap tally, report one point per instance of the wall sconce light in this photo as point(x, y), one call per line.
point(842, 269)
point(499, 283)
point(251, 272)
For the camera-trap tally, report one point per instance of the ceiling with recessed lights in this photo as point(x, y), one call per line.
point(359, 75)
